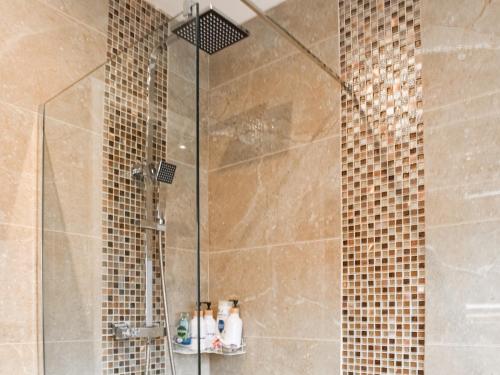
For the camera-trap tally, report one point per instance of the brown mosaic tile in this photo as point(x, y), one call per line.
point(130, 41)
point(383, 207)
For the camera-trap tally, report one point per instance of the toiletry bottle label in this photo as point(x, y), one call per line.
point(220, 325)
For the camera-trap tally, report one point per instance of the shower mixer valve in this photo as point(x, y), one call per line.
point(124, 331)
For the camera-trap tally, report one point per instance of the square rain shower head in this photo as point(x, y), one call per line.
point(165, 172)
point(216, 31)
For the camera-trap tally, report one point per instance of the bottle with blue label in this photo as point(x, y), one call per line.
point(183, 334)
point(222, 314)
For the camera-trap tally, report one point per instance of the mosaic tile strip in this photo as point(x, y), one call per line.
point(383, 296)
point(130, 43)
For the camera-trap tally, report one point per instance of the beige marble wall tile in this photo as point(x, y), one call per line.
point(18, 166)
point(81, 105)
point(72, 179)
point(304, 192)
point(17, 292)
point(188, 365)
point(18, 359)
point(73, 358)
point(289, 196)
point(463, 153)
point(277, 357)
point(309, 21)
point(181, 121)
point(182, 62)
point(181, 281)
point(461, 38)
point(460, 204)
point(461, 360)
point(272, 109)
point(72, 287)
point(475, 15)
point(239, 207)
point(477, 72)
point(284, 291)
point(473, 110)
point(306, 284)
point(463, 266)
point(180, 208)
point(439, 39)
point(44, 53)
point(262, 47)
point(93, 13)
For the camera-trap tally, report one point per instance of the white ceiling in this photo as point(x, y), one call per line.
point(234, 9)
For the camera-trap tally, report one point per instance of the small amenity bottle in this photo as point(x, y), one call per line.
point(234, 328)
point(210, 326)
point(194, 331)
point(222, 315)
point(183, 330)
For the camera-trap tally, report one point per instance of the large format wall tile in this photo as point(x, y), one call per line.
point(82, 105)
point(463, 153)
point(463, 266)
point(18, 165)
point(281, 198)
point(181, 281)
point(72, 285)
point(477, 69)
point(72, 179)
point(462, 360)
point(180, 208)
point(309, 21)
point(304, 190)
point(239, 214)
point(181, 121)
point(73, 357)
point(261, 48)
point(93, 13)
point(284, 291)
point(19, 359)
point(17, 278)
point(463, 203)
point(283, 105)
point(272, 356)
point(475, 15)
point(462, 38)
point(44, 53)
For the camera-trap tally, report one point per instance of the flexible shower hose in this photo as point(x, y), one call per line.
point(165, 307)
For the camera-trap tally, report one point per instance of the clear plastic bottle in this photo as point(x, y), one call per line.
point(183, 333)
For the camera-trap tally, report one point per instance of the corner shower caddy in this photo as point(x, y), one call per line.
point(185, 350)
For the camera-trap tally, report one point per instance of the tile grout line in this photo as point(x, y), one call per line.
point(267, 155)
point(275, 61)
point(72, 18)
point(455, 186)
point(266, 246)
point(462, 223)
point(296, 339)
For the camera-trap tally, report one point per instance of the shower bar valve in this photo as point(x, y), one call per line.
point(124, 331)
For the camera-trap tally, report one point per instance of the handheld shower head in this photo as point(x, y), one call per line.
point(165, 172)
